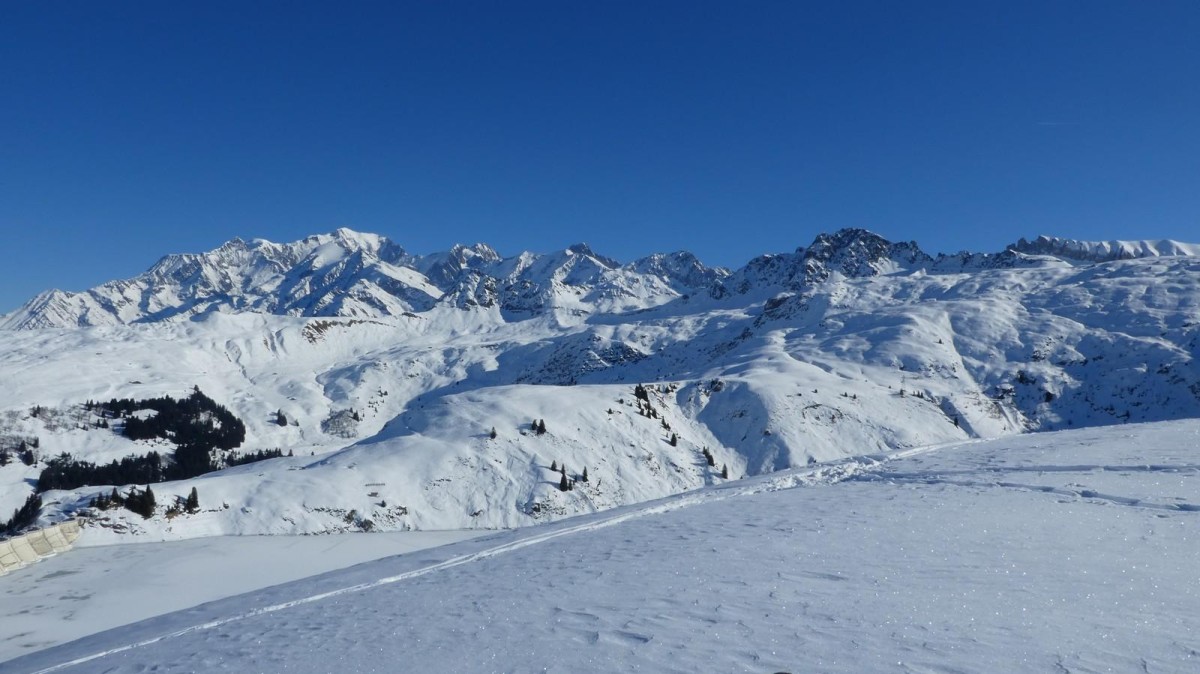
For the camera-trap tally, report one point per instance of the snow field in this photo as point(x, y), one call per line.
point(929, 561)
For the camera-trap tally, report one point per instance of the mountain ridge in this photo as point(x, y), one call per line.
point(354, 274)
point(410, 406)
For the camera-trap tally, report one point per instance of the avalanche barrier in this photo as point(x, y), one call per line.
point(23, 550)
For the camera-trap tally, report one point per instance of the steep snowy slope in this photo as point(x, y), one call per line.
point(850, 346)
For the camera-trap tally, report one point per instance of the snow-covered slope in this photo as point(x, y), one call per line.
point(391, 389)
point(1069, 552)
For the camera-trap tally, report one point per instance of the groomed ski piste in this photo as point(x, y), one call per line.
point(1071, 551)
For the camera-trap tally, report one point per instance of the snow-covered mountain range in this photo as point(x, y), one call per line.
point(410, 384)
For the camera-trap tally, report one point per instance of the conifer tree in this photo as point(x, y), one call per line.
point(492, 435)
point(674, 440)
point(724, 472)
point(193, 501)
point(584, 477)
point(280, 419)
point(554, 466)
point(541, 429)
point(563, 484)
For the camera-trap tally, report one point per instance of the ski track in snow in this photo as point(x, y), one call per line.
point(822, 475)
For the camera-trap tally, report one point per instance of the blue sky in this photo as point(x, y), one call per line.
point(131, 130)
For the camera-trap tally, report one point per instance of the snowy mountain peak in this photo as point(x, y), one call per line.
point(856, 253)
point(350, 273)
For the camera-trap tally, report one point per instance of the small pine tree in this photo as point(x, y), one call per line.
point(193, 501)
point(563, 483)
point(724, 472)
point(674, 440)
point(533, 426)
point(584, 477)
point(27, 457)
point(541, 429)
point(280, 419)
point(493, 434)
point(554, 466)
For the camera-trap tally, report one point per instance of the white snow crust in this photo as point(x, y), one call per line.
point(1070, 551)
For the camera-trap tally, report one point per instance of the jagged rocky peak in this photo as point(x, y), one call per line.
point(857, 253)
point(445, 269)
point(853, 253)
point(680, 268)
point(1104, 251)
point(584, 250)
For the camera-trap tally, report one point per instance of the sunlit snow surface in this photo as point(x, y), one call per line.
point(1074, 551)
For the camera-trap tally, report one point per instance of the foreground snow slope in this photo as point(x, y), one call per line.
point(95, 588)
point(1070, 551)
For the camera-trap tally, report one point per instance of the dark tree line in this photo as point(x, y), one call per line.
point(251, 457)
point(141, 502)
point(64, 472)
point(194, 420)
point(24, 516)
point(197, 425)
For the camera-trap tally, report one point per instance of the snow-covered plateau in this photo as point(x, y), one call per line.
point(1070, 551)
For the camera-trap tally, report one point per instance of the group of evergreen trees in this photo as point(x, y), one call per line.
point(23, 451)
point(24, 516)
point(252, 457)
point(196, 424)
point(566, 483)
point(538, 426)
point(64, 472)
point(141, 502)
point(196, 418)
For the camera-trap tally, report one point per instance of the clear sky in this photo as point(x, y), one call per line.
point(129, 130)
